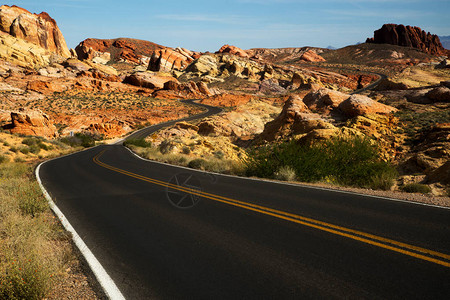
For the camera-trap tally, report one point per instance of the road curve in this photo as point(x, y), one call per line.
point(245, 238)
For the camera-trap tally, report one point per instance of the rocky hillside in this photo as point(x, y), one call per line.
point(40, 30)
point(408, 36)
point(156, 57)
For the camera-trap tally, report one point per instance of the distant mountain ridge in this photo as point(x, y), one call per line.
point(445, 41)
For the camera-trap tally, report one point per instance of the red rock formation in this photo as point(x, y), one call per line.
point(148, 80)
point(233, 50)
point(32, 123)
point(161, 58)
point(408, 36)
point(168, 59)
point(40, 30)
point(358, 105)
point(311, 56)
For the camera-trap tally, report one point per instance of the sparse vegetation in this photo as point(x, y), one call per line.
point(137, 142)
point(351, 162)
point(31, 257)
point(285, 173)
point(83, 139)
point(416, 188)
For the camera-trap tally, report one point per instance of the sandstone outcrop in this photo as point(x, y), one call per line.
point(324, 99)
point(148, 80)
point(31, 123)
point(408, 36)
point(153, 56)
point(233, 50)
point(44, 87)
point(310, 56)
point(40, 30)
point(295, 118)
point(358, 105)
point(167, 60)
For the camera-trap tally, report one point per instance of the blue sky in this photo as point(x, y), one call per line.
point(207, 25)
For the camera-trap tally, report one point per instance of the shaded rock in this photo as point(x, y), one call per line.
point(324, 99)
point(76, 65)
point(358, 105)
point(439, 94)
point(271, 86)
point(387, 84)
point(295, 118)
point(173, 85)
point(203, 88)
point(441, 174)
point(204, 64)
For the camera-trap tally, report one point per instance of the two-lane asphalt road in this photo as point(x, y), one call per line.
point(245, 238)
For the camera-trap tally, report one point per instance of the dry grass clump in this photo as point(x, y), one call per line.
point(31, 253)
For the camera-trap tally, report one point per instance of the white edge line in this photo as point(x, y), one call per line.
point(100, 273)
point(292, 184)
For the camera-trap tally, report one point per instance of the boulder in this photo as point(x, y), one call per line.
point(76, 65)
point(271, 86)
point(203, 88)
point(148, 80)
point(32, 123)
point(233, 50)
point(310, 56)
point(324, 99)
point(441, 174)
point(204, 64)
point(358, 105)
point(387, 84)
point(295, 118)
point(439, 94)
point(44, 87)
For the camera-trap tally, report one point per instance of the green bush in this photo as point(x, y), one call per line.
point(137, 142)
point(197, 163)
point(83, 139)
point(353, 162)
point(416, 188)
point(3, 159)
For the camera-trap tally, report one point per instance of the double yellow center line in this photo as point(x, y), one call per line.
point(407, 249)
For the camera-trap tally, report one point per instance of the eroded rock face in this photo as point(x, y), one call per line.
point(358, 105)
point(324, 99)
point(32, 123)
point(408, 36)
point(148, 80)
point(233, 50)
point(311, 56)
point(295, 118)
point(40, 30)
point(167, 60)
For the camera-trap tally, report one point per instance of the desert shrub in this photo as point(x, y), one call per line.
point(31, 201)
point(137, 142)
point(416, 188)
point(13, 149)
point(198, 163)
point(285, 173)
point(353, 162)
point(24, 150)
point(3, 159)
point(219, 154)
point(166, 147)
point(186, 150)
point(83, 139)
